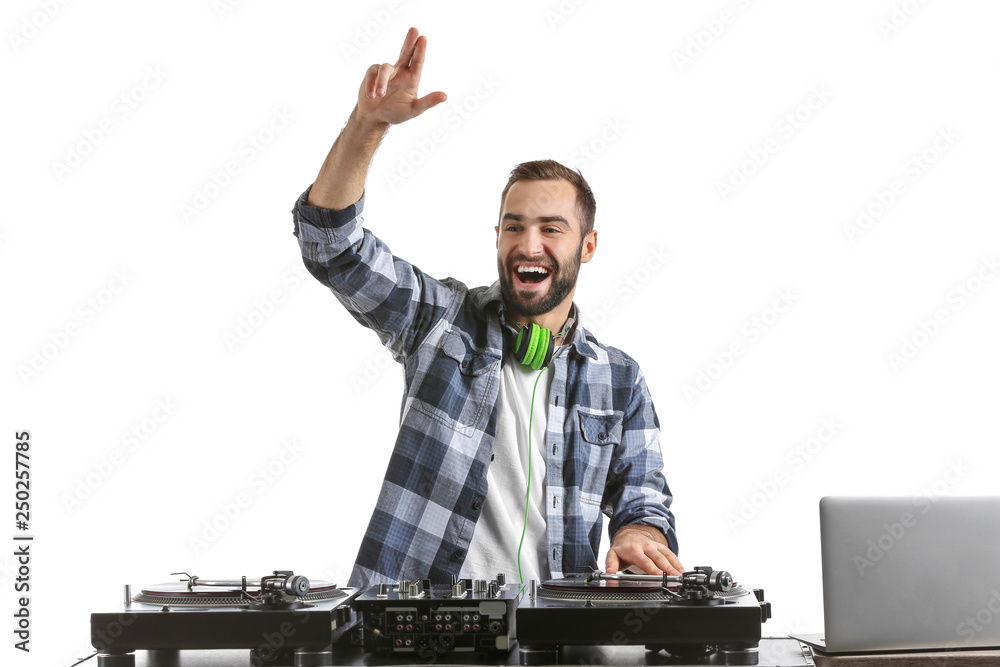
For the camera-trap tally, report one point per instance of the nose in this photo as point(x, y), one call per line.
point(533, 242)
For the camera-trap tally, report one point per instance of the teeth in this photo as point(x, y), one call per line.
point(532, 269)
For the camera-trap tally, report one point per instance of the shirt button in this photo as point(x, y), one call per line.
point(476, 505)
point(465, 364)
point(459, 553)
point(602, 436)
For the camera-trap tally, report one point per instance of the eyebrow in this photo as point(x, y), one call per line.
point(516, 217)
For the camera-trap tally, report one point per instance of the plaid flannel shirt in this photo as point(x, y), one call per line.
point(602, 441)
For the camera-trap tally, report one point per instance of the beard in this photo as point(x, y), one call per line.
point(563, 280)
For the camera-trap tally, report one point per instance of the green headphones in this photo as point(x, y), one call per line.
point(535, 349)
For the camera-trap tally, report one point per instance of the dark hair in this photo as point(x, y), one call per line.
point(548, 170)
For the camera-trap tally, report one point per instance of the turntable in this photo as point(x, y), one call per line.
point(701, 614)
point(283, 618)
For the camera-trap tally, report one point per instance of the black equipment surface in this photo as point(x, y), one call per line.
point(280, 618)
point(700, 615)
point(426, 621)
point(774, 652)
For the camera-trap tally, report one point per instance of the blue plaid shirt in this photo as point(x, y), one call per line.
point(602, 442)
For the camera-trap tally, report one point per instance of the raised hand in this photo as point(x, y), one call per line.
point(388, 93)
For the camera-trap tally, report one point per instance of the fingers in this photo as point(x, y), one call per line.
point(368, 85)
point(665, 559)
point(647, 565)
point(611, 562)
point(427, 101)
point(668, 561)
point(406, 52)
point(620, 558)
point(652, 557)
point(385, 72)
point(419, 53)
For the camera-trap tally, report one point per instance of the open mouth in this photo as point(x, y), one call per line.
point(531, 274)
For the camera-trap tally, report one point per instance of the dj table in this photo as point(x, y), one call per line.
point(774, 652)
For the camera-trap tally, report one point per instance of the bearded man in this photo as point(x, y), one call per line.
point(517, 428)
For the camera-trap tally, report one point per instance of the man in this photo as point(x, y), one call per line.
point(493, 470)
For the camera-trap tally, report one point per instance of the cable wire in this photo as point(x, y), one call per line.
point(527, 495)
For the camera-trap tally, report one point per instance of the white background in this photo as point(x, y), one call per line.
point(213, 314)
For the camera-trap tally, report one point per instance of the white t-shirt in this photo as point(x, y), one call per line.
point(493, 548)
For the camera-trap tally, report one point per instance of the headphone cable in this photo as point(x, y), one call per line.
point(527, 495)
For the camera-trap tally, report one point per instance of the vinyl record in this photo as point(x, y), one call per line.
point(598, 586)
point(179, 594)
point(180, 589)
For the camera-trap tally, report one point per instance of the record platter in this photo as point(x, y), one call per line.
point(701, 614)
point(283, 618)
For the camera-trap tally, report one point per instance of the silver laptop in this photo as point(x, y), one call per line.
point(909, 573)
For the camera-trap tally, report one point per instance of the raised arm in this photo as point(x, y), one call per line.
point(381, 290)
point(387, 96)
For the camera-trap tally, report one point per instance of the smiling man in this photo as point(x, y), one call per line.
point(517, 427)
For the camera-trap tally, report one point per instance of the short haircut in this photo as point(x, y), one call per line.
point(550, 170)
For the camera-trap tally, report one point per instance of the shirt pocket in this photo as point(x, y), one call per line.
point(456, 386)
point(599, 435)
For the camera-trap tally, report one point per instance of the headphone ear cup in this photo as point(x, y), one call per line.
point(534, 349)
point(521, 346)
point(549, 349)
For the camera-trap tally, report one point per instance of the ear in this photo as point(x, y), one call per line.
point(589, 246)
point(496, 228)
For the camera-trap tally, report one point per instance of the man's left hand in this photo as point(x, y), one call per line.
point(642, 547)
